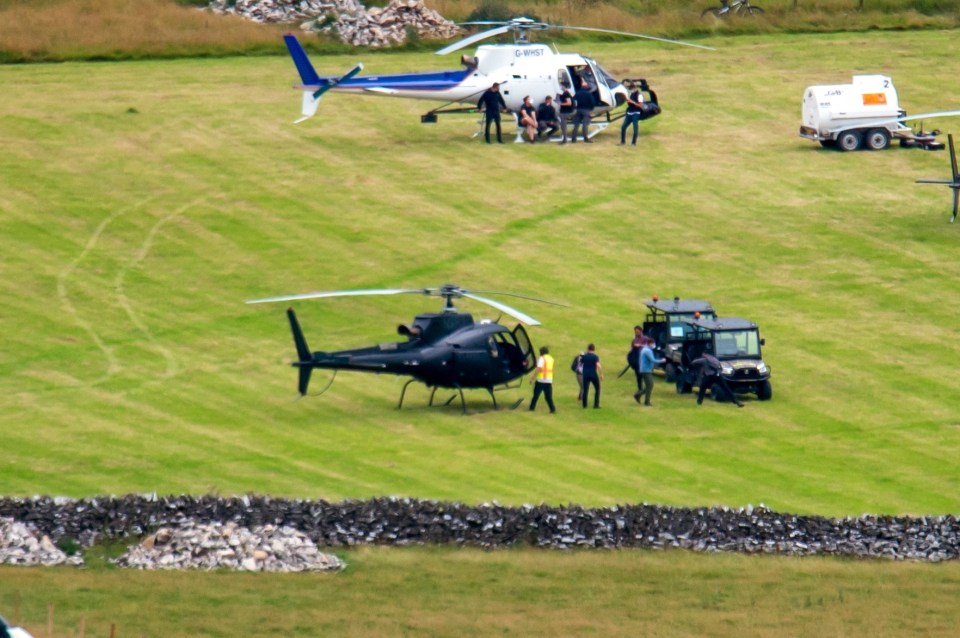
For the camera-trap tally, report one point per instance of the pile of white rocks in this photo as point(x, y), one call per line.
point(266, 548)
point(21, 545)
point(350, 20)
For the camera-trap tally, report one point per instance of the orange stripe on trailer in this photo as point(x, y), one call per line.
point(874, 99)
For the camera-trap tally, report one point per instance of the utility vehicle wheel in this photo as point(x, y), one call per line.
point(754, 11)
point(877, 139)
point(848, 141)
point(712, 11)
point(719, 394)
point(764, 391)
point(670, 372)
point(683, 387)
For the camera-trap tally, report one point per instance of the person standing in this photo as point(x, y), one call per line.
point(543, 375)
point(492, 104)
point(647, 362)
point(576, 366)
point(711, 373)
point(634, 112)
point(592, 375)
point(565, 101)
point(633, 358)
point(585, 104)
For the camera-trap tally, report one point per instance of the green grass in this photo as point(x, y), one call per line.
point(467, 592)
point(142, 202)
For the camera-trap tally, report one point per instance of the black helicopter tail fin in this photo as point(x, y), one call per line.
point(304, 356)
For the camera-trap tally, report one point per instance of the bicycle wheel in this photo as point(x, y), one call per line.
point(716, 12)
point(753, 11)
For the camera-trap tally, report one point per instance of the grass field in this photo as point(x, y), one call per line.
point(142, 202)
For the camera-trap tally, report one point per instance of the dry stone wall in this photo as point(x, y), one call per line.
point(400, 521)
point(348, 19)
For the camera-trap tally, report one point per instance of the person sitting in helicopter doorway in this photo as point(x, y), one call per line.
point(528, 119)
point(565, 100)
point(547, 118)
point(634, 113)
point(543, 375)
point(492, 104)
point(710, 373)
point(585, 104)
point(647, 362)
point(592, 375)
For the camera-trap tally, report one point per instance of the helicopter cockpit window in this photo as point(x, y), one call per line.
point(606, 77)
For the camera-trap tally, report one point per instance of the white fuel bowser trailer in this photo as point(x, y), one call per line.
point(864, 114)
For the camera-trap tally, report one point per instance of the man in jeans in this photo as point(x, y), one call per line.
point(647, 361)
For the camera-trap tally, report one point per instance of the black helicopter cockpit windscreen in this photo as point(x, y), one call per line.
point(604, 83)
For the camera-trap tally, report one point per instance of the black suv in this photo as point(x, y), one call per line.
point(666, 325)
point(736, 343)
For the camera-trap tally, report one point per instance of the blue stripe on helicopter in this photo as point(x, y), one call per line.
point(432, 81)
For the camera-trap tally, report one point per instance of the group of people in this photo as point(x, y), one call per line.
point(642, 358)
point(547, 118)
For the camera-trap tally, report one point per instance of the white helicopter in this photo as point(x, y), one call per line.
point(522, 68)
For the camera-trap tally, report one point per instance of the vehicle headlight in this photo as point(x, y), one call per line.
point(726, 368)
point(762, 368)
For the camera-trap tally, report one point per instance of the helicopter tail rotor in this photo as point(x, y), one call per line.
point(304, 356)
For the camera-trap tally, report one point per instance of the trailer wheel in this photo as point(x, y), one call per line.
point(877, 139)
point(848, 140)
point(828, 143)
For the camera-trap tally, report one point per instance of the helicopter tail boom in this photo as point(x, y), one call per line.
point(304, 356)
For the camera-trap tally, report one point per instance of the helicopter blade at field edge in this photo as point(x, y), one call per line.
point(635, 35)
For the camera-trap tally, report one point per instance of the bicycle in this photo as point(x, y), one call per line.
point(737, 7)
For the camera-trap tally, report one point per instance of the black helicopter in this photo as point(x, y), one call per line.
point(447, 349)
point(952, 183)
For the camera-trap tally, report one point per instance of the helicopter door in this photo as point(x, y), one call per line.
point(529, 360)
point(601, 82)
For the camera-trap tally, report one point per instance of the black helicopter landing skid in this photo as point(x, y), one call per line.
point(463, 402)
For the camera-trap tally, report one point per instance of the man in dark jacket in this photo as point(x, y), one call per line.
point(585, 105)
point(547, 117)
point(710, 372)
point(492, 104)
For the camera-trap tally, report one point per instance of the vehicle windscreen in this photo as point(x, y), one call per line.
point(737, 343)
point(607, 78)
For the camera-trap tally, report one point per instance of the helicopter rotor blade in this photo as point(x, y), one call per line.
point(634, 35)
point(341, 293)
point(476, 37)
point(513, 294)
point(513, 312)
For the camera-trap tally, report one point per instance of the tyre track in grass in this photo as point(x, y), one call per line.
point(63, 277)
point(172, 367)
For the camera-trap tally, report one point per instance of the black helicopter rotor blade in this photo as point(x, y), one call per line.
point(953, 160)
point(519, 296)
point(513, 312)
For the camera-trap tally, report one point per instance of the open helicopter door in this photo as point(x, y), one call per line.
point(601, 82)
point(526, 348)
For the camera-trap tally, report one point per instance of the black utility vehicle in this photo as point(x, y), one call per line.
point(736, 343)
point(666, 325)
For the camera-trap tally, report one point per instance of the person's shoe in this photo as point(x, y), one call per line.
point(636, 397)
point(633, 143)
point(622, 142)
point(699, 401)
point(596, 407)
point(647, 403)
point(588, 141)
point(573, 141)
point(739, 405)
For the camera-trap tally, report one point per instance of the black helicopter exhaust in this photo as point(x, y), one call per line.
point(304, 356)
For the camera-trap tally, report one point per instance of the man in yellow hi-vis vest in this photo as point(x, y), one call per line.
point(544, 378)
